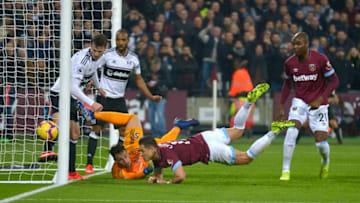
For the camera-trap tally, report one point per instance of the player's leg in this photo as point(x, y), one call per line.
point(319, 124)
point(260, 144)
point(298, 115)
point(336, 128)
point(243, 113)
point(109, 104)
point(174, 132)
point(92, 145)
point(289, 147)
point(223, 153)
point(74, 136)
point(324, 149)
point(47, 154)
point(131, 121)
point(115, 118)
point(93, 139)
point(339, 135)
point(169, 136)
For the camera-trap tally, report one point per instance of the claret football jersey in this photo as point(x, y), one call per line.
point(183, 152)
point(309, 76)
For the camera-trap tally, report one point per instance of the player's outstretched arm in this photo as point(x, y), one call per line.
point(121, 173)
point(144, 89)
point(133, 175)
point(179, 175)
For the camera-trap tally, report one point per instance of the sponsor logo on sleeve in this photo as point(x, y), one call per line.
point(328, 65)
point(169, 162)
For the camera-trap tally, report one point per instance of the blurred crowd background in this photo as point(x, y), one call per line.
point(193, 41)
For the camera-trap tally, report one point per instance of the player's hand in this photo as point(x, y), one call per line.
point(162, 182)
point(281, 113)
point(149, 169)
point(97, 107)
point(90, 84)
point(316, 103)
point(102, 92)
point(156, 98)
point(152, 179)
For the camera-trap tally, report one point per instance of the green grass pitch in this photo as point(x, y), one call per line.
point(257, 182)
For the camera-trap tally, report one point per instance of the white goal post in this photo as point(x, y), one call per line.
point(64, 105)
point(40, 37)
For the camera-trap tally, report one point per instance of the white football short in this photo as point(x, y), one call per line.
point(318, 118)
point(217, 141)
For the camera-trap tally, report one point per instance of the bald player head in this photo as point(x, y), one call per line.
point(300, 43)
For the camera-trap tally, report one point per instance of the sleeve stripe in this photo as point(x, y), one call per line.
point(233, 156)
point(329, 73)
point(85, 59)
point(176, 166)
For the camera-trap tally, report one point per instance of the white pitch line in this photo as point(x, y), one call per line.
point(26, 194)
point(170, 201)
point(113, 200)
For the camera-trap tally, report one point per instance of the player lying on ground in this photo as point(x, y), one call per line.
point(209, 145)
point(128, 162)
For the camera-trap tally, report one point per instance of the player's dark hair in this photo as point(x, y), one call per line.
point(148, 141)
point(303, 35)
point(99, 40)
point(116, 149)
point(122, 30)
point(306, 37)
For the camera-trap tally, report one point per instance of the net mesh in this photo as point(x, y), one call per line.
point(29, 62)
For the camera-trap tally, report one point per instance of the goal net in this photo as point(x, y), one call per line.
point(29, 59)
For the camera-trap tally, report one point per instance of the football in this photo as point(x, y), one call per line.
point(47, 130)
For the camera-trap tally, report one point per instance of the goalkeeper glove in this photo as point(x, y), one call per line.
point(149, 169)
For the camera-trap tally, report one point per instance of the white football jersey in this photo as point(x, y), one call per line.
point(83, 69)
point(116, 72)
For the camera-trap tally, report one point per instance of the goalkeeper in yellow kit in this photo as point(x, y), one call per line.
point(129, 164)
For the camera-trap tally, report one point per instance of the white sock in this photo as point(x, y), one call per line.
point(324, 149)
point(260, 144)
point(242, 115)
point(289, 146)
